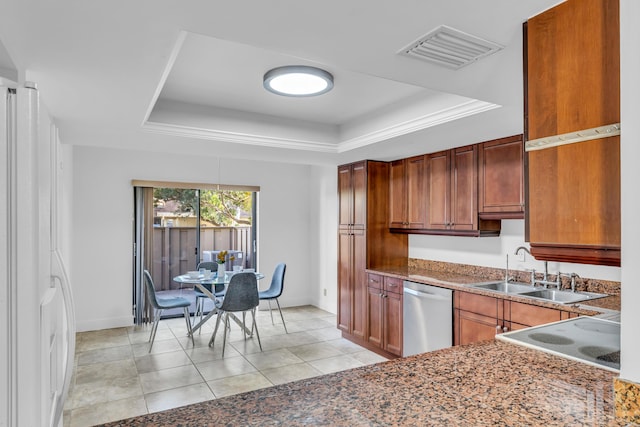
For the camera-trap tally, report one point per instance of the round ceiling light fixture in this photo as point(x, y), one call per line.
point(298, 80)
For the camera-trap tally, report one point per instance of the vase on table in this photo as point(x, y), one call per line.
point(221, 272)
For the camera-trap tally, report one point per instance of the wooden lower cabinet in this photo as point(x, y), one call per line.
point(385, 313)
point(481, 317)
point(477, 317)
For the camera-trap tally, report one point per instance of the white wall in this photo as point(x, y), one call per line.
point(630, 154)
point(102, 236)
point(493, 252)
point(323, 226)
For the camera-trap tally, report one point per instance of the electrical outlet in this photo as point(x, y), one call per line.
point(521, 256)
point(325, 292)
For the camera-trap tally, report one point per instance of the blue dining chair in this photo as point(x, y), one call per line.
point(218, 290)
point(275, 290)
point(241, 296)
point(160, 304)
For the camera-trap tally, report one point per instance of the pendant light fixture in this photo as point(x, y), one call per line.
point(298, 81)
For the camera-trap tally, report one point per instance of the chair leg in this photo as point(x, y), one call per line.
point(215, 330)
point(255, 326)
point(224, 336)
point(244, 327)
point(187, 318)
point(200, 311)
point(270, 312)
point(154, 328)
point(280, 310)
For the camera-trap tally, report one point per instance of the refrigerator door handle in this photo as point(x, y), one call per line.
point(58, 272)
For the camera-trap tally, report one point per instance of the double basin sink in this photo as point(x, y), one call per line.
point(525, 290)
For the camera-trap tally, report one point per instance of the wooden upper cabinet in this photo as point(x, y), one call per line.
point(439, 190)
point(452, 189)
point(572, 83)
point(573, 67)
point(407, 193)
point(397, 194)
point(464, 188)
point(345, 196)
point(352, 197)
point(501, 178)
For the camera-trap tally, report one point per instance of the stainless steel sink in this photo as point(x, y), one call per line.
point(504, 287)
point(562, 297)
point(526, 290)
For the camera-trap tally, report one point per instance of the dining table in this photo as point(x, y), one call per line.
point(212, 279)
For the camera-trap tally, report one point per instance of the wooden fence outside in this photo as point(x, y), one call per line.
point(174, 250)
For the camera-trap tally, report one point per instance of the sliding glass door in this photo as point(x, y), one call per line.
point(177, 228)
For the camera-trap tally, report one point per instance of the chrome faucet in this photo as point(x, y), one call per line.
point(524, 248)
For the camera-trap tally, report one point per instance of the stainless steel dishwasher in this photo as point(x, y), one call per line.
point(427, 318)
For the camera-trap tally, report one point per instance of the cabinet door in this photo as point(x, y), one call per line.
point(584, 221)
point(573, 75)
point(376, 313)
point(345, 279)
point(359, 304)
point(439, 189)
point(464, 188)
point(393, 323)
point(345, 196)
point(473, 327)
point(416, 192)
point(397, 194)
point(359, 180)
point(501, 178)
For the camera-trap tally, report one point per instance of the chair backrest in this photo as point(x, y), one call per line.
point(208, 265)
point(211, 266)
point(151, 291)
point(242, 293)
point(277, 280)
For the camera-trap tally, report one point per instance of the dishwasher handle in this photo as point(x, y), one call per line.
point(425, 295)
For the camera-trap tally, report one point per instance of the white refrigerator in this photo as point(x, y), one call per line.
point(37, 329)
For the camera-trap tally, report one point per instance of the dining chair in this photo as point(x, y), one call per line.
point(275, 290)
point(160, 304)
point(218, 290)
point(241, 296)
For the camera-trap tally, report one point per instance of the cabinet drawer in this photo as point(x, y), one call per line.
point(531, 315)
point(481, 304)
point(393, 284)
point(374, 281)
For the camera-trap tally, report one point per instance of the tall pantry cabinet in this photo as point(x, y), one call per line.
point(364, 240)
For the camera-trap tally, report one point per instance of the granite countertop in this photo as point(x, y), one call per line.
point(457, 281)
point(490, 383)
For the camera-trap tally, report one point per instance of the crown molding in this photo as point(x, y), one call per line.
point(432, 119)
point(239, 138)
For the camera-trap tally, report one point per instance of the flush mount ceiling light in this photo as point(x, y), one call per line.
point(298, 80)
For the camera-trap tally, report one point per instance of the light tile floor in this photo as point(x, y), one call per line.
point(116, 377)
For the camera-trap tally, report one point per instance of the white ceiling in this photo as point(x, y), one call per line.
point(187, 76)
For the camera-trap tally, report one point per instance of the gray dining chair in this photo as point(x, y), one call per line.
point(217, 289)
point(275, 290)
point(241, 296)
point(160, 304)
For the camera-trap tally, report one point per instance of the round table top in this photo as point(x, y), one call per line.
point(185, 278)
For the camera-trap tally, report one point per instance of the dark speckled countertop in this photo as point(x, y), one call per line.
point(485, 384)
point(459, 281)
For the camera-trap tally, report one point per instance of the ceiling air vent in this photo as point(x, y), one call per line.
point(450, 48)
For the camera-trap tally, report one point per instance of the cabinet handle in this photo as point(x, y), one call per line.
point(498, 328)
point(505, 329)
